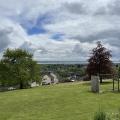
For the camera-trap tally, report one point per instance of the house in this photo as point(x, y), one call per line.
point(49, 78)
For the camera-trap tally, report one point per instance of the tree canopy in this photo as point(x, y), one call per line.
point(99, 61)
point(18, 67)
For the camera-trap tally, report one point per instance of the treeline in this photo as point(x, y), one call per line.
point(17, 68)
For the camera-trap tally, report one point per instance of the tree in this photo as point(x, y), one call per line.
point(99, 61)
point(5, 73)
point(18, 66)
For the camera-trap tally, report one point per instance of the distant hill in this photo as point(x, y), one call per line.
point(62, 62)
point(69, 62)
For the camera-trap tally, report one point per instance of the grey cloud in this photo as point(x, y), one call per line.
point(4, 39)
point(112, 35)
point(113, 8)
point(101, 11)
point(43, 51)
point(31, 48)
point(75, 8)
point(77, 49)
point(27, 46)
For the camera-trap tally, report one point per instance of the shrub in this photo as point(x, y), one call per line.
point(118, 115)
point(100, 115)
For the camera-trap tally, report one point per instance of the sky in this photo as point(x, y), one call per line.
point(60, 30)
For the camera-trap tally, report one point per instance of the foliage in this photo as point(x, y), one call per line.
point(118, 71)
point(18, 67)
point(99, 62)
point(100, 115)
point(115, 115)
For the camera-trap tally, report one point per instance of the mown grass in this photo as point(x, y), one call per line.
point(72, 101)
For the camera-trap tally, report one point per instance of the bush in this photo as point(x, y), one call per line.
point(100, 116)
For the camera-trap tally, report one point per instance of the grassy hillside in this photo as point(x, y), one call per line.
point(71, 101)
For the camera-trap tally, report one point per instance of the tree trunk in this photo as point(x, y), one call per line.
point(21, 85)
point(100, 79)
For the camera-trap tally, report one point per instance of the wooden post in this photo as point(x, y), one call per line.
point(118, 84)
point(113, 84)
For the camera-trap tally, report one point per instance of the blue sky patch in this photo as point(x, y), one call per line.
point(36, 30)
point(46, 18)
point(58, 36)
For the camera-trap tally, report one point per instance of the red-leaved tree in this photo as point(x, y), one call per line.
point(99, 61)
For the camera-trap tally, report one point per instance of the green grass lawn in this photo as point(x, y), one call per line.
point(72, 101)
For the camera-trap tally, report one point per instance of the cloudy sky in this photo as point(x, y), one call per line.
point(60, 29)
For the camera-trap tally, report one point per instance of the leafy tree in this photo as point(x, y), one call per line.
point(4, 73)
point(18, 66)
point(99, 62)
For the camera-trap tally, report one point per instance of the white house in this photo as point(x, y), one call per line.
point(55, 78)
point(49, 78)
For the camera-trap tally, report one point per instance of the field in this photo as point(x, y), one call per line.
point(72, 101)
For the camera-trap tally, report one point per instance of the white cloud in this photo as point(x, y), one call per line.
point(11, 33)
point(82, 22)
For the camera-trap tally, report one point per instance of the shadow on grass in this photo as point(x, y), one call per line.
point(116, 91)
point(105, 82)
point(102, 92)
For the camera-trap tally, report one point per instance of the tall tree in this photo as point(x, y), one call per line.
point(99, 61)
point(19, 66)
